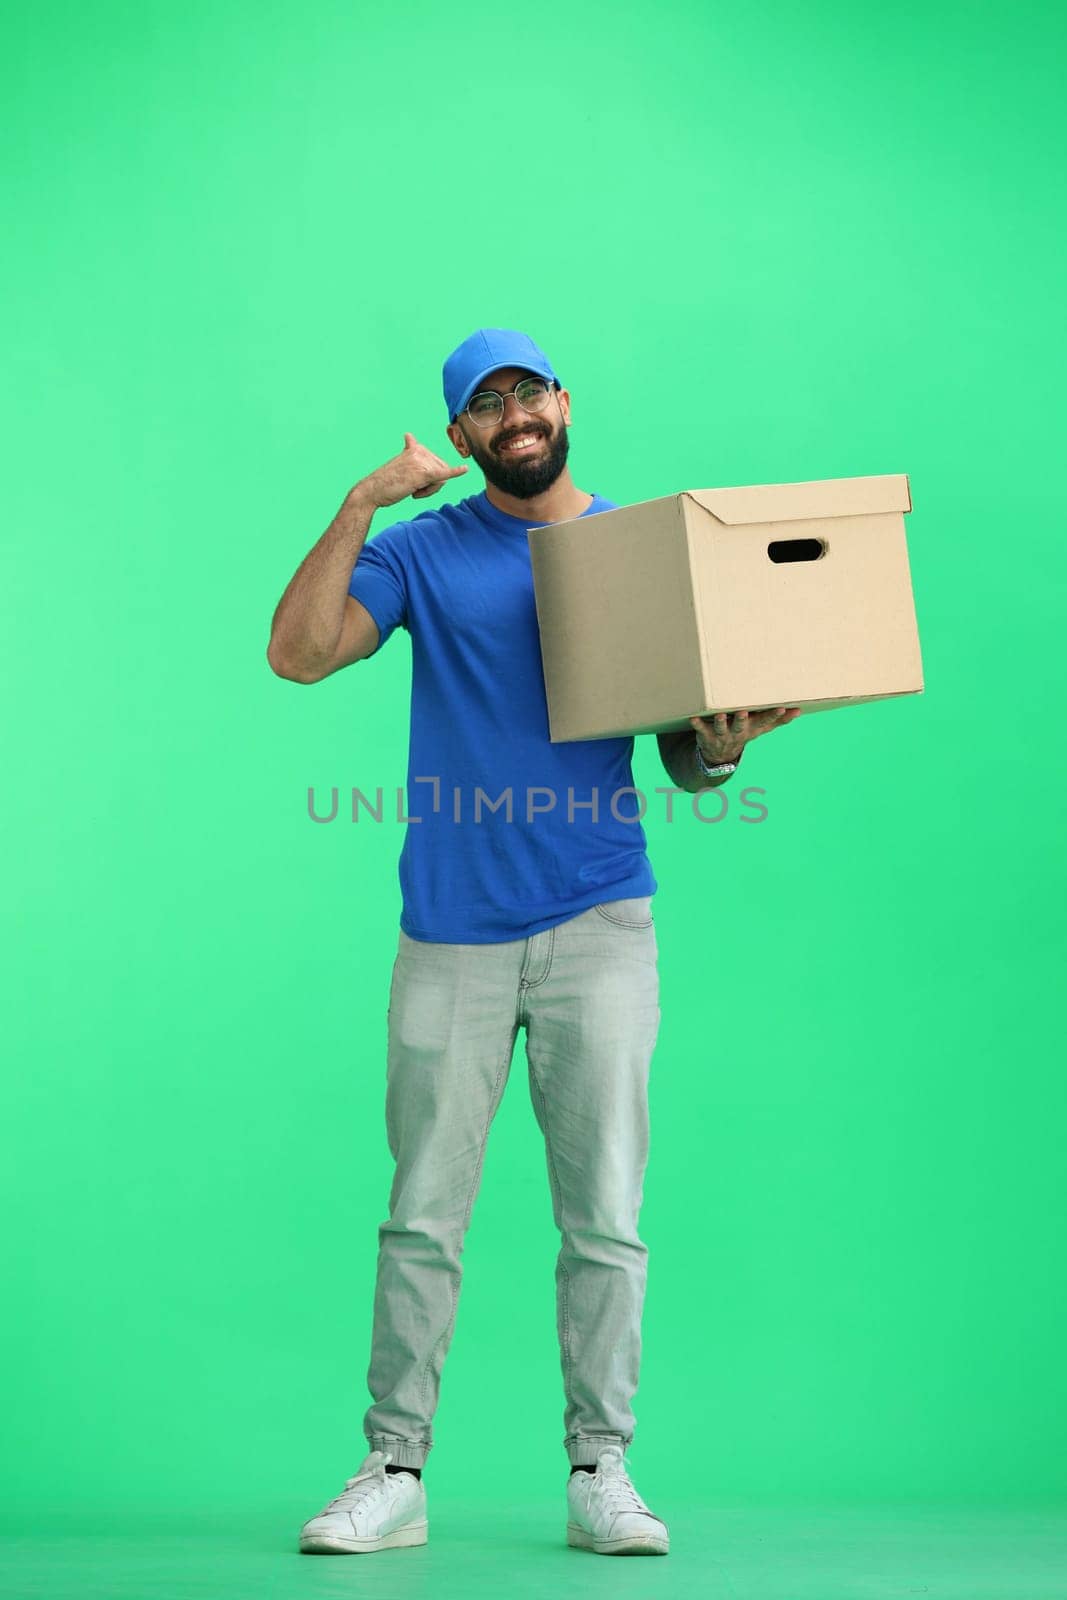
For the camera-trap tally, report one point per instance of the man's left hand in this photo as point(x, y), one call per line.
point(722, 737)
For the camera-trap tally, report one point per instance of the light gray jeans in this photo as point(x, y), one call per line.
point(587, 993)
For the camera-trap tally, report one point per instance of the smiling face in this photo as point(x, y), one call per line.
point(522, 473)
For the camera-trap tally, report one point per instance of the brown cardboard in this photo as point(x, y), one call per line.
point(673, 608)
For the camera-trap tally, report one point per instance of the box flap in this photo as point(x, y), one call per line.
point(798, 502)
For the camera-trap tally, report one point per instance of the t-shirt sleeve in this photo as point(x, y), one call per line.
point(379, 580)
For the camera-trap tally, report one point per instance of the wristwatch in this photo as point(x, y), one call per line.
point(722, 769)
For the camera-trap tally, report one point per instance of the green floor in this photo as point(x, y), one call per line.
point(479, 1548)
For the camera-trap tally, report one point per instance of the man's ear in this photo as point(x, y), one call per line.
point(455, 433)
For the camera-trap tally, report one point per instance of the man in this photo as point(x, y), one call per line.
point(527, 896)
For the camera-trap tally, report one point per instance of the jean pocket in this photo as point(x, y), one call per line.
point(636, 913)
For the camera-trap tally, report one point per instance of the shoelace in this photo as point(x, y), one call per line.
point(622, 1496)
point(618, 1493)
point(362, 1487)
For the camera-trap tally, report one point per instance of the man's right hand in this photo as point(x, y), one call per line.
point(416, 472)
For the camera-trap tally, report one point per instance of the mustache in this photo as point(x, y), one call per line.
point(538, 433)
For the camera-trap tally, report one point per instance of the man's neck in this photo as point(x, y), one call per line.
point(558, 504)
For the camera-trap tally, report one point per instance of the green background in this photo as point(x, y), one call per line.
point(760, 244)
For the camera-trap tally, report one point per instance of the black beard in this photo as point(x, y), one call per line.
point(520, 478)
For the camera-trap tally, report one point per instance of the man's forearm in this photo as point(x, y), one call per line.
point(307, 623)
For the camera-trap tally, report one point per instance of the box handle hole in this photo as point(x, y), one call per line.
point(796, 549)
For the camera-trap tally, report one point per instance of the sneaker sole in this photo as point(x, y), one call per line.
point(636, 1545)
point(334, 1544)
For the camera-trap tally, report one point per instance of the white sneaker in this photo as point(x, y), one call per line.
point(607, 1514)
point(377, 1510)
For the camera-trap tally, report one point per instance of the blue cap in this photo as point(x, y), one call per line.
point(483, 352)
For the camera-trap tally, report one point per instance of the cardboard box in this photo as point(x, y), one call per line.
point(780, 594)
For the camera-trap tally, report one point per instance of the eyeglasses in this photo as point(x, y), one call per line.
point(488, 406)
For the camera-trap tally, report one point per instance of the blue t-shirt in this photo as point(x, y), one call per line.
point(507, 844)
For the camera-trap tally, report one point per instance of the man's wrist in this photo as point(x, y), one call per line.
point(707, 766)
point(362, 498)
